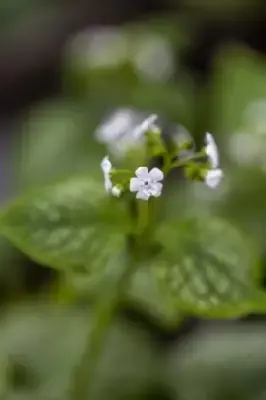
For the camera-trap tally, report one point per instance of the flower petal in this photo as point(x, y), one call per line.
point(156, 174)
point(142, 195)
point(134, 185)
point(116, 191)
point(156, 190)
point(213, 178)
point(106, 165)
point(142, 173)
point(107, 184)
point(141, 129)
point(212, 150)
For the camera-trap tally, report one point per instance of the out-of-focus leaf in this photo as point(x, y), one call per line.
point(10, 268)
point(72, 224)
point(244, 203)
point(207, 268)
point(237, 110)
point(239, 77)
point(41, 345)
point(224, 361)
point(56, 141)
point(145, 294)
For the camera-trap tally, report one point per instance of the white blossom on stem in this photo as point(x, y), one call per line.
point(147, 183)
point(214, 177)
point(106, 167)
point(147, 124)
point(116, 191)
point(212, 150)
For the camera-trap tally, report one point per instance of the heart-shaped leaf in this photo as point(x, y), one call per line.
point(67, 225)
point(207, 267)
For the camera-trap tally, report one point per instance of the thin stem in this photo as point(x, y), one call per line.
point(102, 318)
point(183, 163)
point(143, 216)
point(167, 163)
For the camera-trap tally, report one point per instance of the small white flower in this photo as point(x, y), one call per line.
point(212, 150)
point(147, 183)
point(116, 191)
point(214, 177)
point(146, 125)
point(106, 167)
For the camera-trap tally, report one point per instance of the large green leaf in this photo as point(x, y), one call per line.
point(207, 268)
point(67, 225)
point(145, 294)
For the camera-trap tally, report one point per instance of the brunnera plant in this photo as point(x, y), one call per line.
point(108, 229)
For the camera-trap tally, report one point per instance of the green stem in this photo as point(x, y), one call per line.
point(143, 216)
point(102, 317)
point(183, 163)
point(167, 163)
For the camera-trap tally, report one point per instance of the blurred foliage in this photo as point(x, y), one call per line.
point(224, 361)
point(13, 12)
point(41, 345)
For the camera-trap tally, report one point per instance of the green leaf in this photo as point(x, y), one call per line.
point(221, 361)
point(243, 204)
point(239, 77)
point(58, 131)
point(208, 268)
point(145, 293)
point(67, 225)
point(33, 369)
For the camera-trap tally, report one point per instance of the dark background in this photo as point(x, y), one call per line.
point(31, 54)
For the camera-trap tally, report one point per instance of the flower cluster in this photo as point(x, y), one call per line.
point(147, 183)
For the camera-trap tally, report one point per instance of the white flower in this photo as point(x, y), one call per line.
point(147, 183)
point(116, 191)
point(106, 167)
point(146, 125)
point(212, 150)
point(116, 125)
point(213, 177)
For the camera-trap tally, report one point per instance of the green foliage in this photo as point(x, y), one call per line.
point(55, 143)
point(67, 225)
point(205, 267)
point(206, 252)
point(208, 267)
point(39, 362)
point(224, 361)
point(238, 80)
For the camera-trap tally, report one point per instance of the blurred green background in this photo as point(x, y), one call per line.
point(65, 66)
